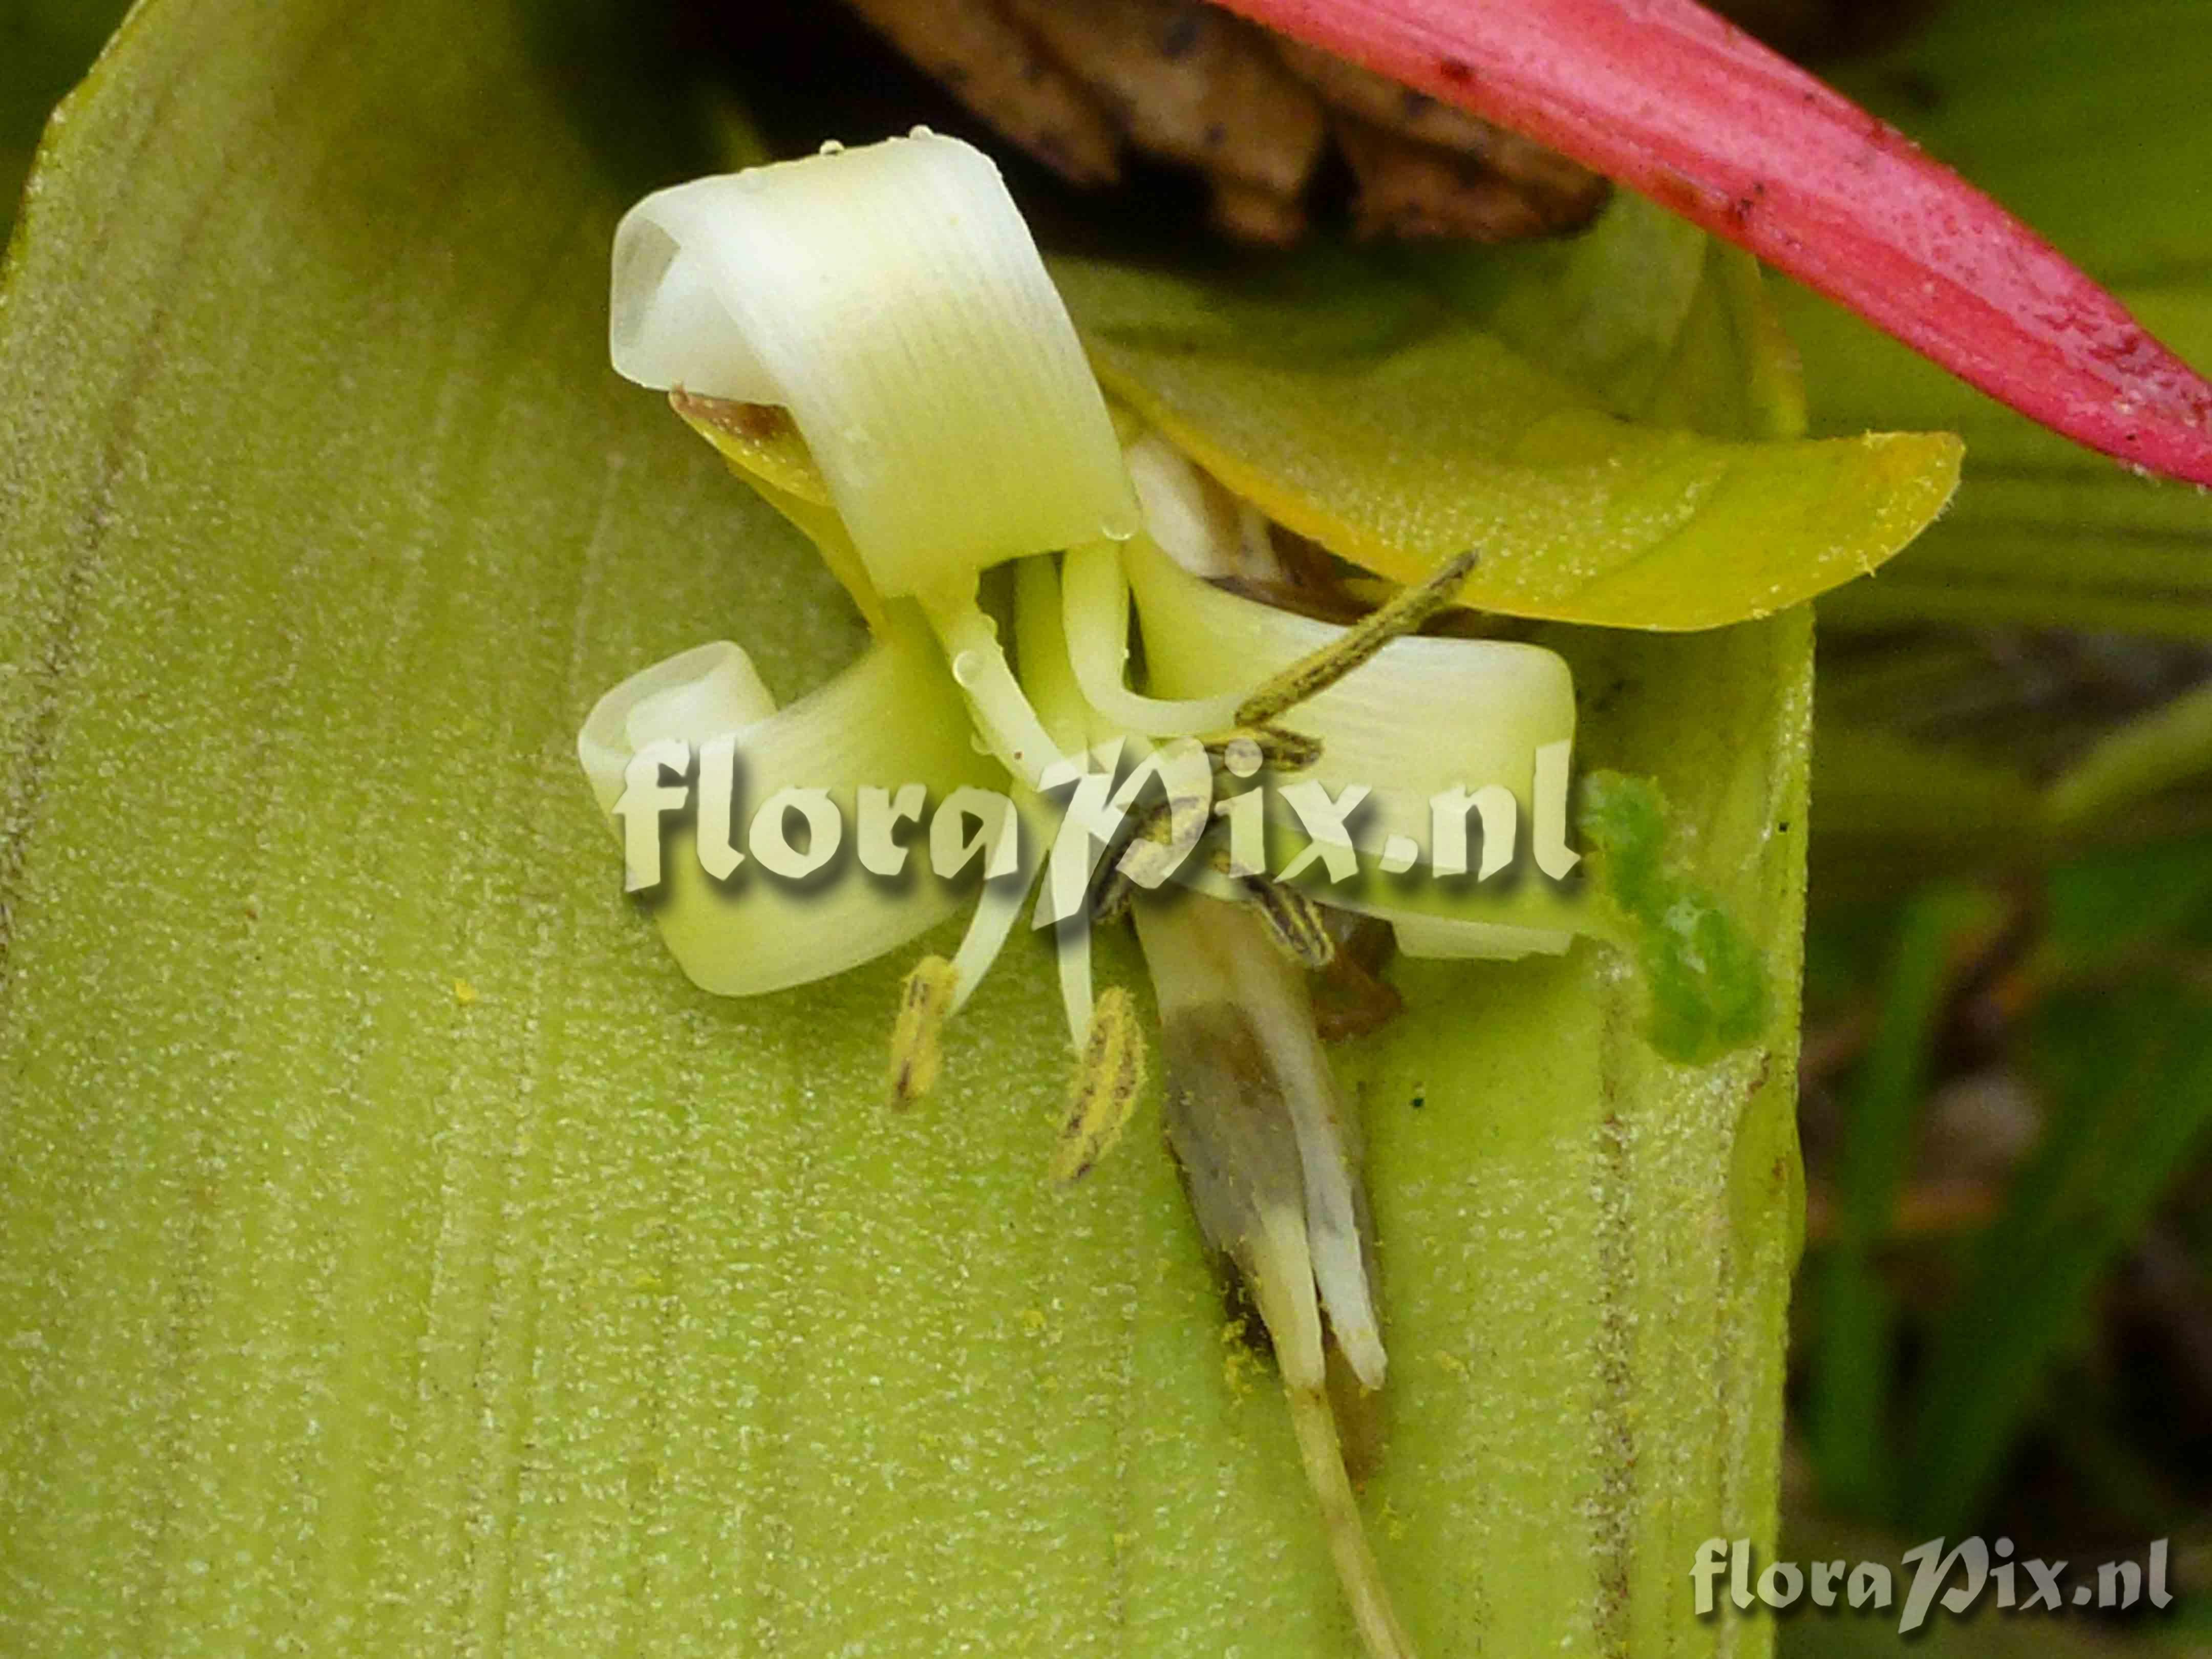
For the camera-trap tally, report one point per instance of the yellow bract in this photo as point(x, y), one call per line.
point(1397, 447)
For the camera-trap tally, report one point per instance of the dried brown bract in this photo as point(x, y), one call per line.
point(999, 70)
point(1425, 168)
point(1073, 81)
point(1194, 85)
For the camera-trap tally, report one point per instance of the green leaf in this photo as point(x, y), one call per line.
point(398, 1256)
point(2108, 905)
point(1846, 1420)
point(1644, 312)
point(2043, 533)
point(2114, 176)
point(2168, 746)
point(1894, 811)
point(2131, 1080)
point(1384, 426)
point(2103, 149)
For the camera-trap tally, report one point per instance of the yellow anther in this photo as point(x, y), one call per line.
point(1155, 824)
point(1275, 747)
point(1108, 1078)
point(924, 1001)
point(1294, 924)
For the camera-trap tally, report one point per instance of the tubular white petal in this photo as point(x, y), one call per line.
point(891, 297)
point(1425, 716)
point(891, 717)
point(690, 696)
point(1431, 936)
point(1453, 920)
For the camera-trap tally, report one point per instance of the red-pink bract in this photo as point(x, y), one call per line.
point(1686, 108)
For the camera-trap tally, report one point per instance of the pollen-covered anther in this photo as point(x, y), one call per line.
point(1110, 1075)
point(1406, 613)
point(1148, 850)
point(1295, 925)
point(925, 1001)
point(1275, 747)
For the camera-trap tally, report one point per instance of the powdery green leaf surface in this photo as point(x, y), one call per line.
point(1644, 312)
point(44, 46)
point(1706, 979)
point(399, 1257)
point(1400, 444)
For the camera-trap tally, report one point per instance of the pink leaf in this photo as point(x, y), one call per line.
point(1674, 102)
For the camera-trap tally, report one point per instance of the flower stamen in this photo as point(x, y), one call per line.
point(1295, 925)
point(1405, 613)
point(925, 1001)
point(1108, 1077)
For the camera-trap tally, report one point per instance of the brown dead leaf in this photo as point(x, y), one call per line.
point(1072, 80)
point(999, 70)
